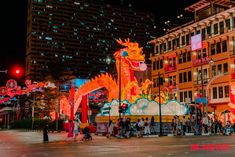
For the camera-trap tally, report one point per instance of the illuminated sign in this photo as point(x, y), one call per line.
point(196, 42)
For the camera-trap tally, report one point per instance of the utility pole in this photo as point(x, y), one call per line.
point(160, 108)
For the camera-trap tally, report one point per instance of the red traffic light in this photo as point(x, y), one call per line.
point(17, 71)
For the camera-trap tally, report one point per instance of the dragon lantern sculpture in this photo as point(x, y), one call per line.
point(128, 60)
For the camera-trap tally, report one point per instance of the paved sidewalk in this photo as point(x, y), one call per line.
point(33, 137)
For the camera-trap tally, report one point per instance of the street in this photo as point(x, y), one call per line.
point(15, 143)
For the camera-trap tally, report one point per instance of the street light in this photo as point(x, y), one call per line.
point(211, 62)
point(160, 108)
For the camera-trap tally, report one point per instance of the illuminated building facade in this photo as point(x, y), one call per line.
point(81, 35)
point(204, 72)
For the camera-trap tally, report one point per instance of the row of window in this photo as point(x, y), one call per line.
point(184, 40)
point(220, 92)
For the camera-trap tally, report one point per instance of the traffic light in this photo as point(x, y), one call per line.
point(17, 72)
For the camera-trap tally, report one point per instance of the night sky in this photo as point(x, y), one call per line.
point(14, 17)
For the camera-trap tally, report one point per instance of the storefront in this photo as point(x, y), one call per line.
point(5, 117)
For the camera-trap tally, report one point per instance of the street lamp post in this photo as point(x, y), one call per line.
point(119, 85)
point(160, 109)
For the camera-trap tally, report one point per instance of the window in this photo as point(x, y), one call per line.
point(181, 97)
point(215, 28)
point(183, 40)
point(170, 80)
point(169, 45)
point(157, 50)
point(161, 63)
point(192, 34)
point(213, 70)
point(227, 23)
point(218, 48)
point(224, 46)
point(225, 68)
point(185, 76)
point(189, 56)
point(185, 95)
point(180, 78)
point(189, 76)
point(226, 91)
point(157, 64)
point(220, 92)
point(190, 95)
point(212, 49)
point(204, 53)
point(208, 29)
point(187, 39)
point(203, 34)
point(180, 58)
point(178, 42)
point(219, 69)
point(184, 57)
point(214, 92)
point(154, 65)
point(221, 27)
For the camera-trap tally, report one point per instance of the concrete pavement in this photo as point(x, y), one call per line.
point(29, 144)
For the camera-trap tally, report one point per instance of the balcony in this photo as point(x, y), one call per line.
point(199, 82)
point(168, 68)
point(198, 62)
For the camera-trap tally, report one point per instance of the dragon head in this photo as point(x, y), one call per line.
point(132, 55)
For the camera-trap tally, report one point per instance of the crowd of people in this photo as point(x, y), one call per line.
point(200, 125)
point(124, 128)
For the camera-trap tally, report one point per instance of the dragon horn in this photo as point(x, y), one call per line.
point(120, 41)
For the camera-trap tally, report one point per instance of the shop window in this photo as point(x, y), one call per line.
point(220, 92)
point(214, 94)
point(226, 91)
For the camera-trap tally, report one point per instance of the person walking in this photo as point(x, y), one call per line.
point(146, 127)
point(45, 133)
point(110, 129)
point(77, 123)
point(152, 126)
point(184, 125)
point(70, 130)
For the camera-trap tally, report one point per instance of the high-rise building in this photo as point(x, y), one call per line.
point(201, 68)
point(80, 35)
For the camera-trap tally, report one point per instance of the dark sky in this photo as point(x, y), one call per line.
point(14, 17)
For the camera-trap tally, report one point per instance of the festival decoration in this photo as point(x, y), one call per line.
point(131, 59)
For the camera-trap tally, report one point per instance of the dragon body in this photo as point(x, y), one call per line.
point(128, 60)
